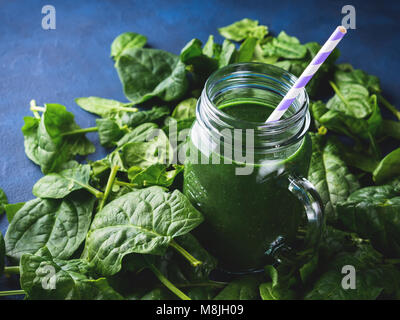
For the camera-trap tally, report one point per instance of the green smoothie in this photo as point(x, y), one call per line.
point(247, 217)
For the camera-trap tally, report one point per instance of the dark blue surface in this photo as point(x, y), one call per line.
point(73, 60)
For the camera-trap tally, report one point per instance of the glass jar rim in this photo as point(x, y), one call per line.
point(245, 67)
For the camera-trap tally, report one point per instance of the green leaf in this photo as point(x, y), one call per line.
point(144, 154)
point(143, 221)
point(61, 225)
point(148, 73)
point(374, 213)
point(388, 168)
point(357, 77)
point(154, 175)
point(228, 53)
point(29, 131)
point(339, 122)
point(212, 49)
point(186, 109)
point(287, 47)
point(109, 132)
point(126, 40)
point(59, 185)
point(246, 50)
point(352, 100)
point(134, 119)
point(242, 29)
point(330, 176)
point(276, 289)
point(3, 201)
point(2, 254)
point(391, 128)
point(372, 278)
point(244, 288)
point(66, 280)
point(11, 209)
point(174, 267)
point(262, 53)
point(105, 108)
point(199, 63)
point(141, 133)
point(46, 143)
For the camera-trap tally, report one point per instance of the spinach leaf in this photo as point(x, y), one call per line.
point(391, 128)
point(246, 50)
point(374, 213)
point(373, 279)
point(388, 168)
point(228, 54)
point(212, 49)
point(144, 154)
point(59, 185)
point(126, 40)
point(276, 289)
point(3, 201)
point(286, 47)
point(201, 64)
point(11, 209)
point(2, 253)
point(49, 142)
point(242, 29)
point(154, 175)
point(351, 76)
point(244, 288)
point(186, 109)
point(61, 225)
point(105, 108)
point(330, 175)
point(262, 52)
point(31, 142)
point(143, 221)
point(134, 119)
point(72, 280)
point(148, 73)
point(141, 133)
point(352, 100)
point(109, 132)
point(339, 122)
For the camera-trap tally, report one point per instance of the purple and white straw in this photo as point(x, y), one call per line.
point(308, 73)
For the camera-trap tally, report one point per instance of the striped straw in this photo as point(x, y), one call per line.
point(308, 73)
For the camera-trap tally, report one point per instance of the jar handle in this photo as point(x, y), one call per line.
point(313, 205)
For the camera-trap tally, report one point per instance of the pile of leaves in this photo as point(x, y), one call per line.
point(119, 227)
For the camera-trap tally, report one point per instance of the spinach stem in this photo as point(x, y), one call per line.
point(390, 107)
point(125, 184)
point(193, 261)
point(11, 270)
point(35, 109)
point(11, 293)
point(166, 282)
point(109, 185)
point(127, 107)
point(374, 146)
point(339, 94)
point(80, 131)
point(209, 283)
point(98, 194)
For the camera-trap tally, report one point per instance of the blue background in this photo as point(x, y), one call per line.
point(73, 60)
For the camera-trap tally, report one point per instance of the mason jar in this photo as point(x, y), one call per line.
point(246, 176)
